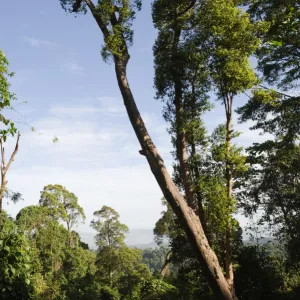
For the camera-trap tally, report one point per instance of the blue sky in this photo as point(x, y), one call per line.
point(73, 94)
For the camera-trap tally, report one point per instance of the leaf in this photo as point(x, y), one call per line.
point(276, 43)
point(55, 139)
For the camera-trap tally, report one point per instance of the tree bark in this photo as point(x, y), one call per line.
point(181, 144)
point(229, 181)
point(190, 221)
point(4, 169)
point(166, 267)
point(193, 197)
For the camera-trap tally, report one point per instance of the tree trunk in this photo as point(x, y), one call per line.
point(190, 221)
point(181, 144)
point(4, 168)
point(201, 211)
point(2, 190)
point(166, 267)
point(193, 198)
point(185, 214)
point(229, 181)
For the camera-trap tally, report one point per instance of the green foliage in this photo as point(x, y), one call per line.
point(15, 266)
point(272, 183)
point(115, 17)
point(107, 293)
point(273, 115)
point(278, 55)
point(118, 266)
point(157, 289)
point(262, 274)
point(228, 35)
point(233, 157)
point(6, 97)
point(155, 258)
point(63, 203)
point(110, 232)
point(181, 77)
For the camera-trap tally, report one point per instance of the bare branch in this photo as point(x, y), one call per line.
point(13, 154)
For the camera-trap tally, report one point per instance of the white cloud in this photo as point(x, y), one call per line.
point(133, 192)
point(37, 43)
point(74, 67)
point(98, 105)
point(96, 157)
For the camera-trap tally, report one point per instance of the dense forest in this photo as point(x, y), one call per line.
point(205, 51)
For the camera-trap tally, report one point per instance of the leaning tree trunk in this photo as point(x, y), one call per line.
point(190, 221)
point(186, 215)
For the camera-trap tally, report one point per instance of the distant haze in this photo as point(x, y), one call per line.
point(141, 238)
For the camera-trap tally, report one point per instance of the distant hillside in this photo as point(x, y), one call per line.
point(139, 238)
point(144, 246)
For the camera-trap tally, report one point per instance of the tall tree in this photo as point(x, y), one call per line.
point(119, 267)
point(272, 184)
point(181, 82)
point(63, 203)
point(109, 239)
point(110, 231)
point(4, 168)
point(114, 20)
point(196, 48)
point(226, 32)
point(6, 96)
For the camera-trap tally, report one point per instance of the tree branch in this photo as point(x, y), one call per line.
point(2, 156)
point(77, 5)
point(98, 19)
point(187, 8)
point(13, 154)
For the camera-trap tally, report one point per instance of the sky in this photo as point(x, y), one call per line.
point(71, 94)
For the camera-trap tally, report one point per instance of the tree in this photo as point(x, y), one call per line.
point(278, 55)
point(155, 258)
point(114, 20)
point(272, 183)
point(6, 96)
point(15, 267)
point(119, 267)
point(226, 32)
point(4, 169)
point(196, 49)
point(48, 241)
point(259, 273)
point(64, 205)
point(9, 128)
point(110, 232)
point(109, 239)
point(158, 290)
